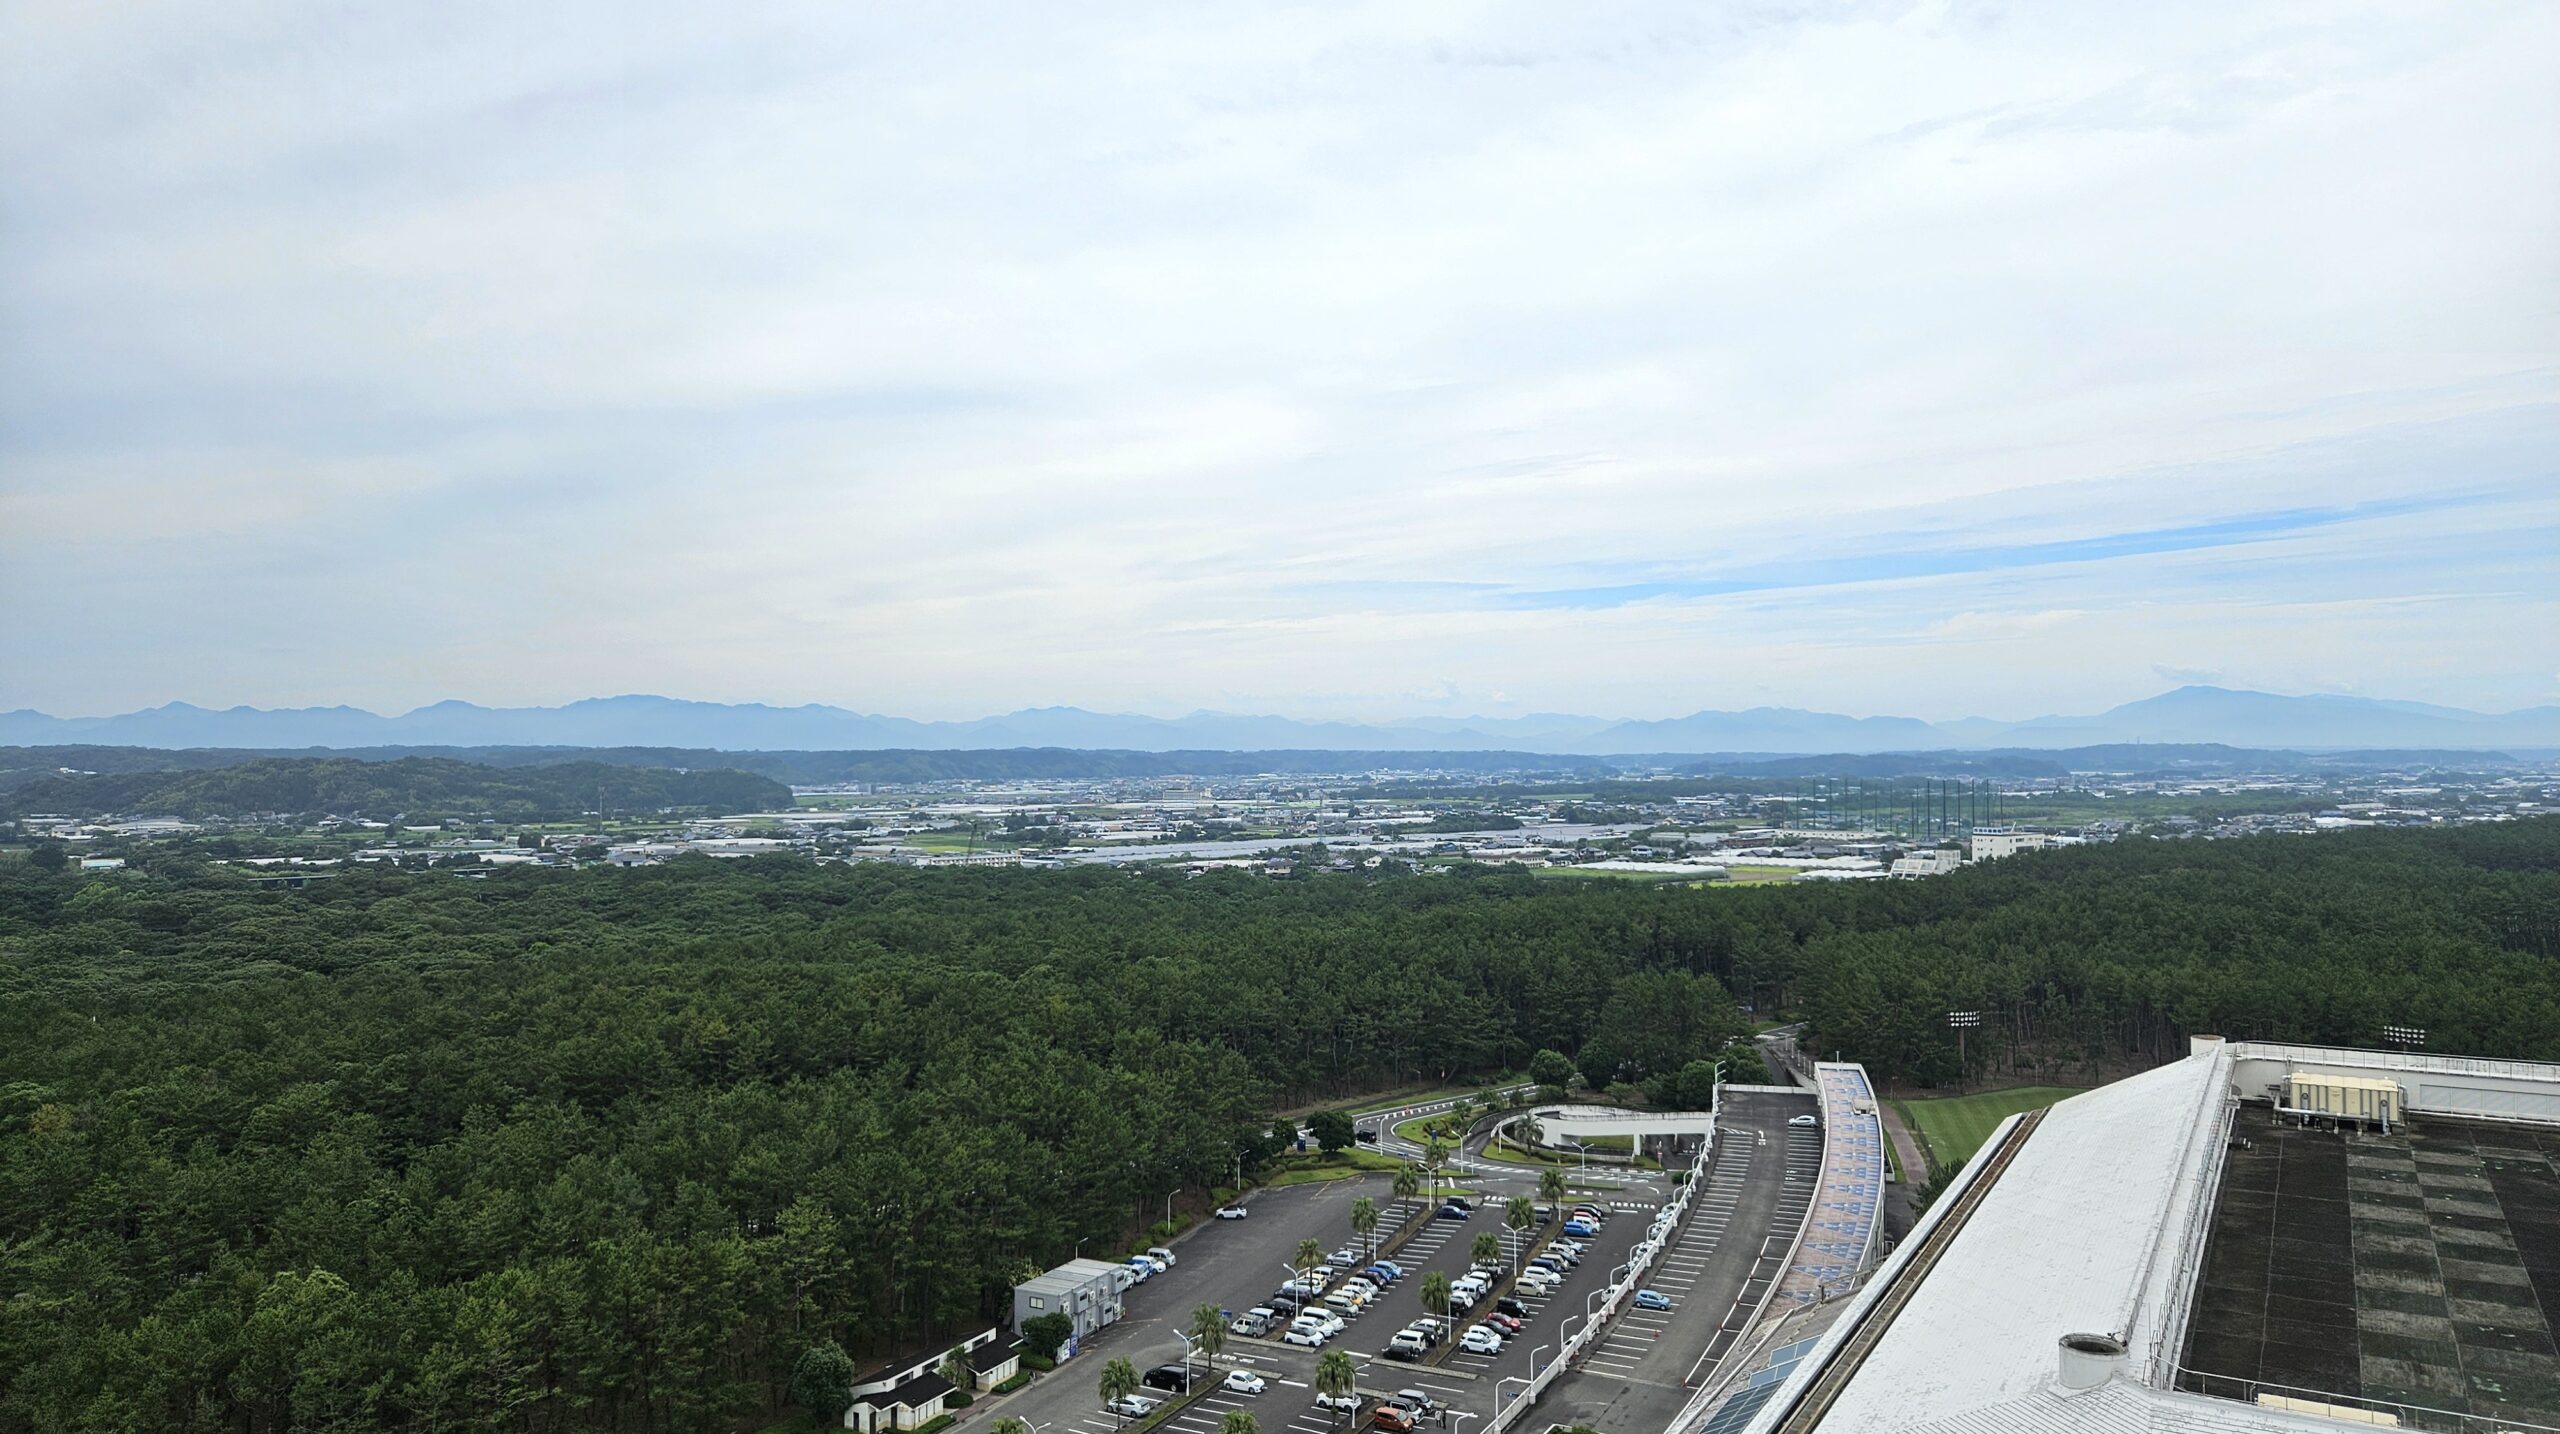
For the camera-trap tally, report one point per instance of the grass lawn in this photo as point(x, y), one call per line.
point(1954, 1127)
point(1341, 1165)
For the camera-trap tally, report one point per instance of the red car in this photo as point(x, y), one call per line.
point(1503, 1322)
point(1395, 1417)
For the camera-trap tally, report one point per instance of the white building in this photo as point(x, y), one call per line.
point(1993, 843)
point(1936, 861)
point(2060, 1283)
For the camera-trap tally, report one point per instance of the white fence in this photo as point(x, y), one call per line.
point(1640, 1262)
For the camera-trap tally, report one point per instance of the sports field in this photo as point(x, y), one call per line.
point(1955, 1126)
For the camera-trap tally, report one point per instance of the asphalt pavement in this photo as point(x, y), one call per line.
point(1236, 1264)
point(1730, 1248)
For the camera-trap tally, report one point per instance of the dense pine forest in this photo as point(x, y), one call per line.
point(608, 1149)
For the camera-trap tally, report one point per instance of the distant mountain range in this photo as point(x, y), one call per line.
point(2186, 715)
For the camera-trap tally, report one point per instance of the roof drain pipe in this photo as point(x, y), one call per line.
point(2088, 1361)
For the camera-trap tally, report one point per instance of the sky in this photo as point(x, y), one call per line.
point(1331, 361)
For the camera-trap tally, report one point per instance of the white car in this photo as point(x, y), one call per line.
point(1350, 1402)
point(1302, 1334)
point(1232, 1212)
point(1132, 1406)
point(1806, 1120)
point(1344, 1301)
point(1537, 1281)
point(1245, 1381)
point(1479, 1341)
point(1331, 1323)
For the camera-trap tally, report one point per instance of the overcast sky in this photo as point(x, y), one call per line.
point(1423, 358)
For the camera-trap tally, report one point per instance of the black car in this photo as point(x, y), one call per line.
point(1286, 1301)
point(1368, 1137)
point(1168, 1376)
point(1402, 1355)
point(1452, 1212)
point(1508, 1305)
point(1461, 1201)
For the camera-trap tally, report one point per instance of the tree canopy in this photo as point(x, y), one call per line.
point(615, 1150)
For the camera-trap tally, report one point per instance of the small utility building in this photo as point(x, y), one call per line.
point(1087, 1291)
point(2322, 1095)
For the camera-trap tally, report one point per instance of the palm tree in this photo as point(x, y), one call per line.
point(1310, 1255)
point(1364, 1222)
point(1119, 1381)
point(1408, 1181)
point(1237, 1422)
point(1335, 1376)
point(1009, 1425)
point(1487, 1250)
point(1432, 1155)
point(1521, 1216)
point(955, 1368)
point(1435, 1294)
point(1551, 1185)
point(1209, 1332)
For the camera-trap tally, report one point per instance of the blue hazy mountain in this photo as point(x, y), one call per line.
point(2188, 714)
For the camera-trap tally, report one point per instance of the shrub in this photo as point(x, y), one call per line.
point(1018, 1381)
point(935, 1425)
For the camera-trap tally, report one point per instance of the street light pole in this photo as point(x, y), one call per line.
point(1533, 1358)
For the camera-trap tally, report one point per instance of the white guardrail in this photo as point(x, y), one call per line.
point(1640, 1261)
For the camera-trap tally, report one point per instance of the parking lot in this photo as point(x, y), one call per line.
point(1236, 1265)
point(1758, 1186)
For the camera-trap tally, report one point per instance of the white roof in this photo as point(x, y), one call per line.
point(2086, 1231)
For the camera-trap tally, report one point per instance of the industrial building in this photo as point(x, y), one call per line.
point(2258, 1237)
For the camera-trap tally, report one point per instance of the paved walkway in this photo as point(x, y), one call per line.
point(1906, 1146)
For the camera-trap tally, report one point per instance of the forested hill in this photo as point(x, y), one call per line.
point(415, 787)
point(570, 1150)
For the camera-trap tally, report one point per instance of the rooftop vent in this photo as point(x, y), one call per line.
point(2089, 1360)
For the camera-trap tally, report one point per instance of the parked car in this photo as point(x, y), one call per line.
point(1413, 1340)
point(1347, 1403)
point(1537, 1282)
point(1167, 1376)
point(1343, 1259)
point(1548, 1262)
point(1462, 1202)
point(1430, 1327)
point(1245, 1381)
point(1401, 1353)
point(1580, 1227)
point(1480, 1341)
point(1462, 1298)
point(1512, 1307)
point(1312, 1338)
point(1503, 1322)
point(1652, 1300)
point(1249, 1325)
point(1325, 1322)
point(1161, 1256)
point(1232, 1212)
point(1344, 1302)
point(1132, 1406)
point(1393, 1416)
point(1805, 1120)
point(1416, 1400)
point(1451, 1212)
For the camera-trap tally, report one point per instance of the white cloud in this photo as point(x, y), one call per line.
point(960, 359)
